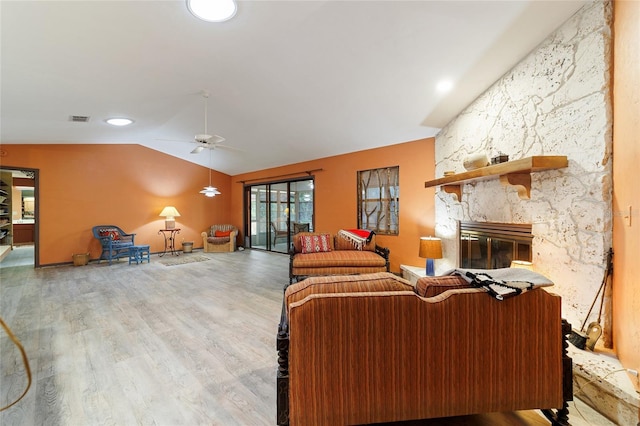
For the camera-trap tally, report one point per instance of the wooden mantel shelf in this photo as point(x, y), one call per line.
point(516, 173)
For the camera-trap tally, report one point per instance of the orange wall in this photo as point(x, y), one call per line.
point(125, 185)
point(336, 193)
point(626, 157)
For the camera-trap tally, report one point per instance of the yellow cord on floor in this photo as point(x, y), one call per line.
point(24, 360)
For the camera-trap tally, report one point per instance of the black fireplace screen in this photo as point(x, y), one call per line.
point(486, 245)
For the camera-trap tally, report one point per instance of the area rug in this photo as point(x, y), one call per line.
point(181, 260)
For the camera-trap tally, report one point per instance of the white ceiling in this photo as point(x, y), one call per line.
point(289, 80)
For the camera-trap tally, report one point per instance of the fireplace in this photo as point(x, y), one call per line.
point(487, 245)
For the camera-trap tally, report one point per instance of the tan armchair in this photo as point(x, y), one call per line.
point(277, 233)
point(220, 238)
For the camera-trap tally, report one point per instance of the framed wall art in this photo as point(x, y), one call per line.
point(379, 200)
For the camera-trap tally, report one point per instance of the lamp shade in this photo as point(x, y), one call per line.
point(430, 248)
point(169, 212)
point(210, 191)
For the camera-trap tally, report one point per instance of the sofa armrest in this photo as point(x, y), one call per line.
point(384, 252)
point(282, 375)
point(233, 240)
point(125, 238)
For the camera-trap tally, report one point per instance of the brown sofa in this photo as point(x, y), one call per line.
point(342, 259)
point(212, 243)
point(368, 349)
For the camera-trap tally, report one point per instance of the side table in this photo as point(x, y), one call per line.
point(169, 241)
point(413, 273)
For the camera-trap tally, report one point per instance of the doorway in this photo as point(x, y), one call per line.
point(19, 214)
point(277, 211)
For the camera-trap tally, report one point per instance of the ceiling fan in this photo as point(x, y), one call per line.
point(205, 140)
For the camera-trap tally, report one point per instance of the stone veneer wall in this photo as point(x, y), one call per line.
point(556, 101)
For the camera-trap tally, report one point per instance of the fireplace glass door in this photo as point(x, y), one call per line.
point(493, 245)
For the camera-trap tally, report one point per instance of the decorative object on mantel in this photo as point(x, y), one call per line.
point(475, 161)
point(515, 172)
point(430, 248)
point(450, 173)
point(500, 158)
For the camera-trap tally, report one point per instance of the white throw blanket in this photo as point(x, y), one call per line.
point(504, 282)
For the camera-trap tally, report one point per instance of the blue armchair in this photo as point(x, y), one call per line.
point(114, 241)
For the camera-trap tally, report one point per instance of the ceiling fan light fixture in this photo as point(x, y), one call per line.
point(212, 10)
point(210, 191)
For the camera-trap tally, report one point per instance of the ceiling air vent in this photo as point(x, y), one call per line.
point(79, 118)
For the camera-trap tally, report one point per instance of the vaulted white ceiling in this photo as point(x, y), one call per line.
point(289, 81)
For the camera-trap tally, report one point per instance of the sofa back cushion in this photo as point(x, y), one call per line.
point(379, 281)
point(433, 286)
point(342, 243)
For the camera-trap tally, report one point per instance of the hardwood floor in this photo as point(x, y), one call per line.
point(191, 344)
point(144, 344)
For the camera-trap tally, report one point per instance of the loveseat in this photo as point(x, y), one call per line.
point(335, 255)
point(220, 238)
point(364, 349)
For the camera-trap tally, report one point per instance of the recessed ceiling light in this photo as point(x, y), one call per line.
point(212, 10)
point(119, 121)
point(444, 86)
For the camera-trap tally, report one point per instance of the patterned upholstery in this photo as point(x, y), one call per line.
point(213, 244)
point(387, 356)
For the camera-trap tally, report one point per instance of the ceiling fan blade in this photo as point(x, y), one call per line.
point(216, 139)
point(197, 149)
point(229, 148)
point(208, 139)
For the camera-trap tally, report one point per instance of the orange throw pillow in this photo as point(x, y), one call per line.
point(222, 233)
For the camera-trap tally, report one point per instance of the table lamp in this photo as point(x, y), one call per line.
point(169, 213)
point(430, 248)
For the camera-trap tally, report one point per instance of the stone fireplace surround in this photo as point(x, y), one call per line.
point(556, 101)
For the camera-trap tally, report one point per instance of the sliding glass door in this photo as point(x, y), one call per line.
point(276, 211)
